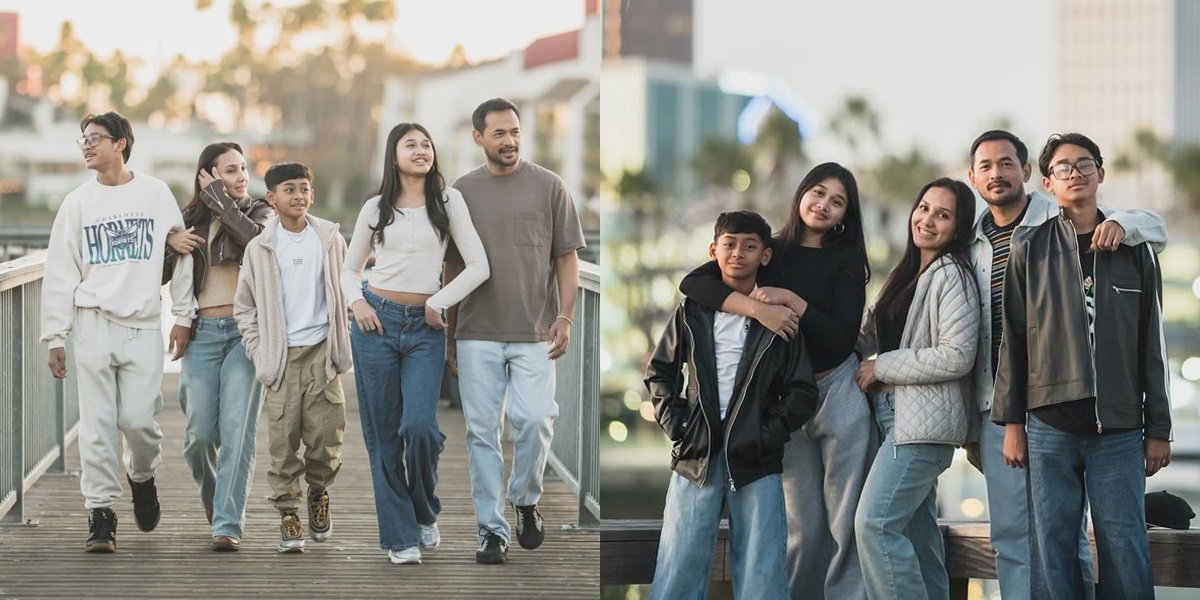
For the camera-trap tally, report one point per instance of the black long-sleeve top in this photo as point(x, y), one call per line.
point(832, 280)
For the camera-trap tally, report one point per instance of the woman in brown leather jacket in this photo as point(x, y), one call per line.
point(217, 388)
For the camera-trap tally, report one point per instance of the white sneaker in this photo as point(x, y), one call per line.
point(407, 556)
point(430, 538)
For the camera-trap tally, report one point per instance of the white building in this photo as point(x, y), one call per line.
point(554, 82)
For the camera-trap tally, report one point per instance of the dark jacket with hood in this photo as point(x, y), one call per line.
point(774, 394)
point(241, 221)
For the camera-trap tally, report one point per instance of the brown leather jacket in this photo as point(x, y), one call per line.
point(241, 221)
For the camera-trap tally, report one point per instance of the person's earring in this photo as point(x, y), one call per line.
point(839, 228)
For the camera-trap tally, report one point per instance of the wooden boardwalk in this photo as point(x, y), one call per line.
point(174, 560)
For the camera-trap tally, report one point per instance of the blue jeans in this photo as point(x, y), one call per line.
point(490, 373)
point(757, 536)
point(1110, 470)
point(222, 400)
point(899, 542)
point(1008, 513)
point(399, 376)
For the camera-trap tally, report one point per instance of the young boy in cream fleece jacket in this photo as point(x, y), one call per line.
point(293, 319)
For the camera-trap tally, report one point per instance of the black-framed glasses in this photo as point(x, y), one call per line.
point(1062, 171)
point(92, 139)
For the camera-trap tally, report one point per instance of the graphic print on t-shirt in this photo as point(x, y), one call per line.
point(122, 238)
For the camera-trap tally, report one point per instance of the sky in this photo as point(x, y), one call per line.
point(939, 72)
point(160, 29)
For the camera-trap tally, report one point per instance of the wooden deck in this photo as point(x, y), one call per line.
point(174, 560)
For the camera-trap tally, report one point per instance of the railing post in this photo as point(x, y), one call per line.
point(60, 427)
point(16, 465)
point(588, 414)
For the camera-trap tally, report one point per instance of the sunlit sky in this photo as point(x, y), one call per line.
point(155, 31)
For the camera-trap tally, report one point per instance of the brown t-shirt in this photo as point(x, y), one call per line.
point(525, 220)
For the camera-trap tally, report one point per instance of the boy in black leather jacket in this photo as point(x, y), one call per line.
point(729, 394)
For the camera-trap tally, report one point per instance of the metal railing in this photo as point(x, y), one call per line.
point(39, 415)
point(575, 451)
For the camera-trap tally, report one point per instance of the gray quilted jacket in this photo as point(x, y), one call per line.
point(931, 371)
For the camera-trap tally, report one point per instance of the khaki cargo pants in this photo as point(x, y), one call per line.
point(310, 408)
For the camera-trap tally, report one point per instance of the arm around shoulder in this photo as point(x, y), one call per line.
point(469, 247)
point(1142, 226)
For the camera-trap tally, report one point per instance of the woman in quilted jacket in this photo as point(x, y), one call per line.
point(922, 332)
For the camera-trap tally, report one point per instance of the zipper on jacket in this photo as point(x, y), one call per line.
point(738, 405)
point(699, 397)
point(1090, 326)
point(1121, 290)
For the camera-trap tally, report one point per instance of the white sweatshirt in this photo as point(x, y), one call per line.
point(106, 252)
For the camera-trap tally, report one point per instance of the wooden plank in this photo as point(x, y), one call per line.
point(175, 560)
point(628, 549)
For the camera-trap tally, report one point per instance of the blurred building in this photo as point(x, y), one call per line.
point(554, 81)
point(1125, 66)
point(661, 30)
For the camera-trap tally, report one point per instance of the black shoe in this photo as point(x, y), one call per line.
point(320, 522)
point(529, 526)
point(146, 509)
point(102, 530)
point(493, 550)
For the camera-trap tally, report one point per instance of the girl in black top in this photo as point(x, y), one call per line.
point(816, 287)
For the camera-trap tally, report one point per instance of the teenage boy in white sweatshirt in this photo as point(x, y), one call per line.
point(296, 328)
point(102, 287)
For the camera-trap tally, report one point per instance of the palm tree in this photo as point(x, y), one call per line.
point(855, 122)
point(781, 146)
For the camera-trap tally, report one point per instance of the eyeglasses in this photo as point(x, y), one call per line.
point(1062, 171)
point(92, 139)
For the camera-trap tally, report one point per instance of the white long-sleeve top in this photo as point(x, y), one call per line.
point(410, 258)
point(106, 252)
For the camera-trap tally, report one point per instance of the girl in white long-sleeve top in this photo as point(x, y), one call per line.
point(398, 338)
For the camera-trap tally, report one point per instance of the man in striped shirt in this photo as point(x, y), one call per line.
point(999, 169)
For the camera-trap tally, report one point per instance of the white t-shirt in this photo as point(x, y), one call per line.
point(729, 338)
point(301, 261)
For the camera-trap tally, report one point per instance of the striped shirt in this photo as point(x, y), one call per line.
point(1001, 240)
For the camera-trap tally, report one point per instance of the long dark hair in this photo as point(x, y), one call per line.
point(389, 189)
point(196, 212)
point(901, 283)
point(851, 233)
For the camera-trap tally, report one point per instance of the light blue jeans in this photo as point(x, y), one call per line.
point(517, 379)
point(1008, 510)
point(899, 542)
point(398, 377)
point(1111, 470)
point(222, 400)
point(691, 520)
point(824, 468)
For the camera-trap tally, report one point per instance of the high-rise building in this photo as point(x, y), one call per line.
point(1124, 66)
point(658, 30)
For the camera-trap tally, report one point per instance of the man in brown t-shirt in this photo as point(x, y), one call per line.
point(507, 333)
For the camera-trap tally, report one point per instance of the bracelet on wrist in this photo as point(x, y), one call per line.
point(565, 318)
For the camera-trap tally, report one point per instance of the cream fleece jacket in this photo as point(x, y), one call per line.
point(258, 304)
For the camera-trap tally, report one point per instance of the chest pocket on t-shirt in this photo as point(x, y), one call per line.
point(531, 229)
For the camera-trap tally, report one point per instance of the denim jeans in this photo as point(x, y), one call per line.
point(398, 376)
point(491, 376)
point(757, 536)
point(1110, 470)
point(899, 542)
point(1008, 513)
point(824, 467)
point(222, 400)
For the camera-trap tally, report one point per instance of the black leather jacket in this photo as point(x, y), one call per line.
point(774, 394)
point(241, 221)
point(1046, 356)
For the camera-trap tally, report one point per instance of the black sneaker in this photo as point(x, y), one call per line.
point(146, 509)
point(320, 523)
point(529, 526)
point(102, 530)
point(493, 550)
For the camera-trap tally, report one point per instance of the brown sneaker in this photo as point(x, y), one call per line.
point(291, 534)
point(225, 543)
point(320, 523)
